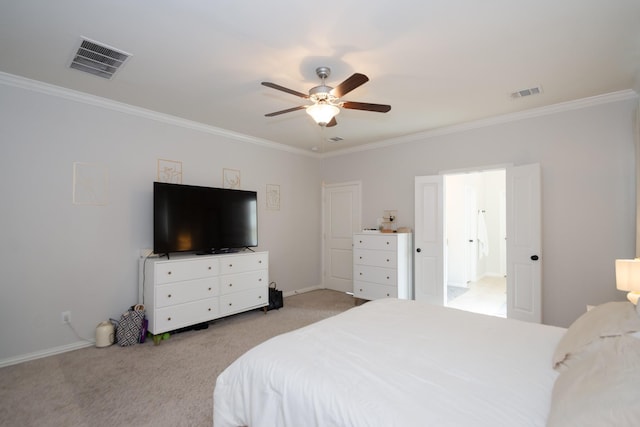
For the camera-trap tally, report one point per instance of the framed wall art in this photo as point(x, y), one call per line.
point(90, 184)
point(169, 171)
point(231, 179)
point(273, 197)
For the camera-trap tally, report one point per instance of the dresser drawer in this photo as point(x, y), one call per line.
point(179, 316)
point(181, 292)
point(371, 291)
point(387, 259)
point(240, 263)
point(240, 301)
point(383, 276)
point(375, 241)
point(180, 270)
point(240, 282)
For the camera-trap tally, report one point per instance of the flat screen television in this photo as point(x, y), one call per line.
point(188, 218)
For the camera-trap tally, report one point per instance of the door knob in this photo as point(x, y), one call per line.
point(534, 257)
point(418, 250)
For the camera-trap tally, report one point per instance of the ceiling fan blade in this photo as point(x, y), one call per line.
point(288, 110)
point(350, 84)
point(284, 89)
point(332, 122)
point(379, 108)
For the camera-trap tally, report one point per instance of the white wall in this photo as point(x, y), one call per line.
point(57, 256)
point(588, 188)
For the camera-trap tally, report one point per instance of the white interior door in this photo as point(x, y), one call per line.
point(524, 231)
point(429, 260)
point(341, 218)
point(523, 241)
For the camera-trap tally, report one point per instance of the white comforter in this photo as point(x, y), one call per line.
point(394, 363)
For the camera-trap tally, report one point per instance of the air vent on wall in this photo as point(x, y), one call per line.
point(527, 92)
point(98, 59)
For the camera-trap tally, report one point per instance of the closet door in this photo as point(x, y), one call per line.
point(341, 218)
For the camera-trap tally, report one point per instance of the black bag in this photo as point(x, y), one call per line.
point(130, 326)
point(275, 297)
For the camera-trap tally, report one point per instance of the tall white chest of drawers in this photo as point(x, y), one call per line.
point(187, 290)
point(382, 265)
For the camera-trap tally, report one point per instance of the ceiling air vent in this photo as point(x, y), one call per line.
point(335, 139)
point(527, 92)
point(98, 59)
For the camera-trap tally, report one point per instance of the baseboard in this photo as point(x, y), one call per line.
point(302, 291)
point(45, 353)
point(83, 344)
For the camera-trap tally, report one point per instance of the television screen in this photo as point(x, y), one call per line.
point(189, 218)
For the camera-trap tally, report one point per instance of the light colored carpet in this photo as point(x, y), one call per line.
point(145, 385)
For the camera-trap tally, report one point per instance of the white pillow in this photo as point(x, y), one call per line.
point(606, 320)
point(601, 389)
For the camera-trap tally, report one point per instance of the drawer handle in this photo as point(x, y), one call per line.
point(209, 268)
point(387, 294)
point(230, 304)
point(260, 280)
point(360, 289)
point(260, 297)
point(230, 284)
point(260, 262)
point(387, 260)
point(387, 243)
point(210, 307)
point(361, 274)
point(230, 265)
point(360, 257)
point(169, 273)
point(209, 288)
point(360, 241)
point(387, 277)
point(169, 296)
point(168, 318)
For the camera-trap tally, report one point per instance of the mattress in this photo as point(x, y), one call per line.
point(394, 362)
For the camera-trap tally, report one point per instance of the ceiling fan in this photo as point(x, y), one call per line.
point(326, 100)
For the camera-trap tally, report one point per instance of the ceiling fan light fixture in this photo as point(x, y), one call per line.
point(322, 113)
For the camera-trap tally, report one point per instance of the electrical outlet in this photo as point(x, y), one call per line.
point(66, 317)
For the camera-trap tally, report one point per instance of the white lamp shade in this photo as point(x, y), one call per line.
point(322, 113)
point(628, 278)
point(628, 274)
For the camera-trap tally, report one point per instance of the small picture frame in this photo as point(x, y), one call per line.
point(273, 197)
point(231, 179)
point(169, 171)
point(90, 184)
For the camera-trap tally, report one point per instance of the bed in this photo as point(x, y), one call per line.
point(395, 362)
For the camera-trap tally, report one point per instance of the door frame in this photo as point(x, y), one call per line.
point(535, 314)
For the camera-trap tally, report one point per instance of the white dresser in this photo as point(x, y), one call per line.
point(382, 265)
point(187, 290)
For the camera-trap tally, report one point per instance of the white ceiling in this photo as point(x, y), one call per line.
point(436, 62)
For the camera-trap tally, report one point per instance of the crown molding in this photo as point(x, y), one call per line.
point(577, 104)
point(81, 97)
point(97, 101)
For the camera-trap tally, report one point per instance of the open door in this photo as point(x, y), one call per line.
point(429, 239)
point(524, 231)
point(524, 243)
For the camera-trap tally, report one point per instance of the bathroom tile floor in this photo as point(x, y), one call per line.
point(487, 296)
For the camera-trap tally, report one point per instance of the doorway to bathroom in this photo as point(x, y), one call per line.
point(475, 241)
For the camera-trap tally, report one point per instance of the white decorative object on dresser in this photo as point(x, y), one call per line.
point(382, 265)
point(186, 289)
